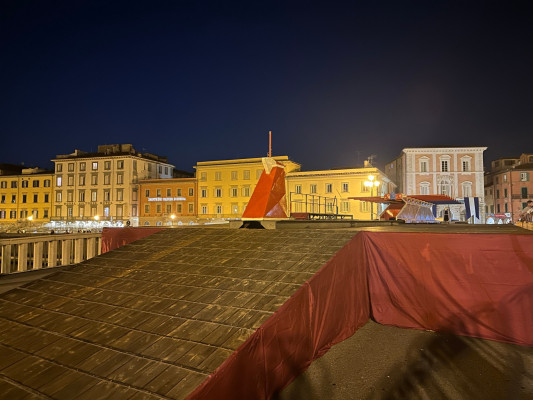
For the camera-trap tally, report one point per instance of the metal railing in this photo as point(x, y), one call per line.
point(43, 251)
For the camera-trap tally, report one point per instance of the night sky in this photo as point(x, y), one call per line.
point(200, 81)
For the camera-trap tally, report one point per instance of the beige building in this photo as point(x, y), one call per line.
point(329, 191)
point(225, 187)
point(453, 171)
point(102, 188)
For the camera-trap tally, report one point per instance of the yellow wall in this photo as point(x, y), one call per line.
point(344, 183)
point(20, 202)
point(225, 187)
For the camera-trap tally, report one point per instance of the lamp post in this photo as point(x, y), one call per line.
point(371, 182)
point(173, 217)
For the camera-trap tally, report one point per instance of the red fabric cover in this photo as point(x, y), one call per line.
point(478, 285)
point(327, 309)
point(113, 238)
point(268, 199)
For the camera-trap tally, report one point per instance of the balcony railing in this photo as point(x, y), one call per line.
point(44, 251)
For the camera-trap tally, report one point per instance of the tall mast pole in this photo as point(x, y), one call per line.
point(269, 144)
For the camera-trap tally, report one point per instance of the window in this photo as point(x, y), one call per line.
point(234, 191)
point(59, 197)
point(504, 193)
point(524, 176)
point(234, 175)
point(59, 167)
point(24, 197)
point(13, 198)
point(120, 164)
point(120, 194)
point(107, 195)
point(365, 206)
point(95, 165)
point(467, 189)
point(24, 184)
point(505, 177)
point(81, 211)
point(94, 179)
point(120, 179)
point(203, 176)
point(166, 170)
point(106, 212)
point(424, 188)
point(45, 213)
point(158, 192)
point(466, 165)
point(47, 183)
point(147, 208)
point(191, 208)
point(524, 192)
point(160, 169)
point(71, 167)
point(81, 180)
point(246, 174)
point(246, 191)
point(178, 192)
point(3, 200)
point(506, 207)
point(364, 188)
point(135, 165)
point(134, 195)
point(2, 214)
point(424, 165)
point(329, 188)
point(498, 194)
point(498, 208)
point(107, 164)
point(169, 208)
point(218, 192)
point(444, 188)
point(203, 192)
point(82, 166)
point(218, 176)
point(3, 184)
point(69, 212)
point(218, 209)
point(35, 183)
point(147, 193)
point(298, 189)
point(444, 165)
point(312, 188)
point(69, 196)
point(178, 208)
point(191, 192)
point(13, 214)
point(345, 206)
point(204, 209)
point(13, 184)
point(81, 196)
point(94, 195)
point(158, 208)
point(234, 208)
point(59, 181)
point(107, 179)
point(345, 187)
point(70, 180)
point(35, 198)
point(169, 192)
point(134, 210)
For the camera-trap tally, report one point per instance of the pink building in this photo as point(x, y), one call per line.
point(509, 186)
point(453, 171)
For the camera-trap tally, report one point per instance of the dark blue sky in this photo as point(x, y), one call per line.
point(198, 80)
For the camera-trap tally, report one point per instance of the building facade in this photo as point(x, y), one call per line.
point(329, 191)
point(452, 171)
point(167, 201)
point(26, 199)
point(225, 187)
point(510, 186)
point(102, 188)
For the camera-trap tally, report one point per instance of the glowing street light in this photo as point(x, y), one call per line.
point(30, 218)
point(96, 217)
point(371, 182)
point(173, 217)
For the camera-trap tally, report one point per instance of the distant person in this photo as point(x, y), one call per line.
point(446, 217)
point(52, 232)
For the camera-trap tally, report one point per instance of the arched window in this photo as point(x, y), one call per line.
point(467, 189)
point(424, 187)
point(445, 187)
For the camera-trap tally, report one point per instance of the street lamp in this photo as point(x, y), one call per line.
point(96, 217)
point(371, 182)
point(173, 217)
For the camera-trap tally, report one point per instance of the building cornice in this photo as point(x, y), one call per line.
point(420, 150)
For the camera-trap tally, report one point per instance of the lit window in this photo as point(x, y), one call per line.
point(444, 165)
point(345, 187)
point(329, 188)
point(95, 166)
point(218, 176)
point(313, 189)
point(59, 181)
point(298, 189)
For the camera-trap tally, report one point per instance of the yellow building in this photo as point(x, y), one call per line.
point(26, 199)
point(328, 191)
point(225, 187)
point(102, 188)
